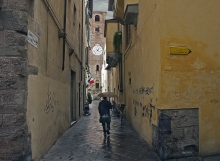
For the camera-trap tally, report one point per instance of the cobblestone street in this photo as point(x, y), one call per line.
point(85, 141)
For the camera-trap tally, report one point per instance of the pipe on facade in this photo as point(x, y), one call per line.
point(64, 37)
point(82, 41)
point(49, 8)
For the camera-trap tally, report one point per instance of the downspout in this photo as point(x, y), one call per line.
point(124, 84)
point(82, 43)
point(64, 37)
point(82, 51)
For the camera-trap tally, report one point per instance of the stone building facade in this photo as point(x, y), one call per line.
point(97, 42)
point(42, 78)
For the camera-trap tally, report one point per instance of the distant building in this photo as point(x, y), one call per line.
point(97, 45)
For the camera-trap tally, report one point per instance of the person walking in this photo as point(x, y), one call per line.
point(104, 112)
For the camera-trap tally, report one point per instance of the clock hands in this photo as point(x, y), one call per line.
point(97, 50)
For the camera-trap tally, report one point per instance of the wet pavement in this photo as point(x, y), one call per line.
point(85, 141)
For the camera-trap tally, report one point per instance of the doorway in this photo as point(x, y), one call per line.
point(79, 100)
point(73, 97)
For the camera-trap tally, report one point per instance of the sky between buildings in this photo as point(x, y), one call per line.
point(102, 5)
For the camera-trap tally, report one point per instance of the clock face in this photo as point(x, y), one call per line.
point(97, 50)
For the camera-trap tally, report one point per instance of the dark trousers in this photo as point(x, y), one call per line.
point(106, 126)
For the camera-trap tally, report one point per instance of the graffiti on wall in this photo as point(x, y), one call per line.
point(194, 94)
point(214, 101)
point(144, 90)
point(146, 109)
point(147, 112)
point(51, 102)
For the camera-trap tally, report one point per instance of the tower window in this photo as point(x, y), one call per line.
point(97, 28)
point(97, 67)
point(97, 18)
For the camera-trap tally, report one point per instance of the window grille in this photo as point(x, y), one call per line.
point(97, 85)
point(128, 35)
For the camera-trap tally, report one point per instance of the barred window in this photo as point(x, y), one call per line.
point(97, 85)
point(128, 35)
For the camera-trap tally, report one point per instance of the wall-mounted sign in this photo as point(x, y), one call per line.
point(175, 50)
point(32, 39)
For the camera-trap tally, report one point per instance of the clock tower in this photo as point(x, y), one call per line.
point(97, 45)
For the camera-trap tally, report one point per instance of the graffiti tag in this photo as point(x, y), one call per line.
point(51, 101)
point(214, 101)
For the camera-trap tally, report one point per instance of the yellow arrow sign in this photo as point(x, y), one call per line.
point(175, 50)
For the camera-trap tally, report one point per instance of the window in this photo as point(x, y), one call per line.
point(97, 85)
point(90, 7)
point(97, 18)
point(128, 36)
point(129, 77)
point(97, 28)
point(110, 5)
point(97, 67)
point(74, 15)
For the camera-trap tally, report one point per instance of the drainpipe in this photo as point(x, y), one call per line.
point(64, 31)
point(82, 53)
point(82, 41)
point(124, 83)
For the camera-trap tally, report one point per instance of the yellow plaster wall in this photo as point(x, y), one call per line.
point(48, 112)
point(175, 81)
point(142, 64)
point(48, 97)
point(112, 27)
point(130, 2)
point(192, 81)
point(119, 10)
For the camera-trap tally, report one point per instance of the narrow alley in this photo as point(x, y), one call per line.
point(85, 141)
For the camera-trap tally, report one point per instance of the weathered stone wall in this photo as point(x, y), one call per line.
point(177, 134)
point(14, 137)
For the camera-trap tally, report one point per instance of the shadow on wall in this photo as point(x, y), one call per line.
point(1, 4)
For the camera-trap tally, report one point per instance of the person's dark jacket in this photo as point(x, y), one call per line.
point(104, 107)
